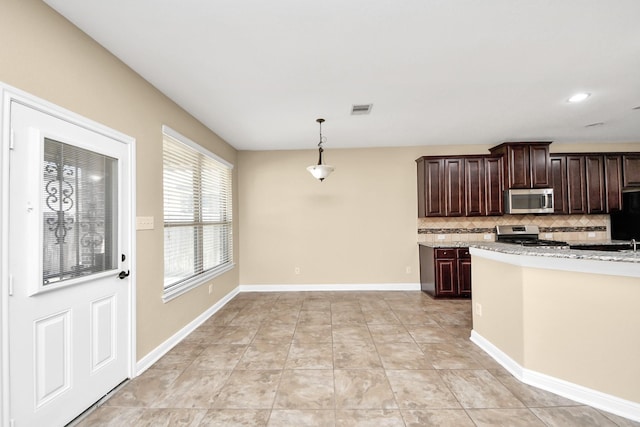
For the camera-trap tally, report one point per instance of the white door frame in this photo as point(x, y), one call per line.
point(7, 95)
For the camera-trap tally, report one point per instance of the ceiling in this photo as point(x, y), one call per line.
point(258, 73)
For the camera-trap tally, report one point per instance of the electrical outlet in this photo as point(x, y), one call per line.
point(296, 270)
point(441, 236)
point(479, 309)
point(408, 269)
point(548, 235)
point(487, 237)
point(210, 288)
point(144, 223)
point(591, 234)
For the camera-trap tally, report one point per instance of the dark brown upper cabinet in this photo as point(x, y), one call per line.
point(631, 170)
point(454, 187)
point(613, 181)
point(576, 192)
point(526, 164)
point(473, 185)
point(558, 174)
point(430, 187)
point(493, 186)
point(460, 186)
point(595, 186)
point(580, 183)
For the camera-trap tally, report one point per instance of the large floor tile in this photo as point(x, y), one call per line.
point(449, 356)
point(236, 418)
point(310, 355)
point(436, 417)
point(504, 417)
point(305, 389)
point(370, 418)
point(532, 396)
point(248, 389)
point(219, 356)
point(193, 389)
point(264, 355)
point(356, 355)
point(363, 389)
point(336, 358)
point(144, 390)
point(420, 389)
point(157, 417)
point(403, 355)
point(298, 417)
point(574, 416)
point(112, 416)
point(479, 389)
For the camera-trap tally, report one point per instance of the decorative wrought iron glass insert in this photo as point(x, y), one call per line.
point(79, 212)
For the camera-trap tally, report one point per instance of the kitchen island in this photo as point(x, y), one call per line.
point(567, 321)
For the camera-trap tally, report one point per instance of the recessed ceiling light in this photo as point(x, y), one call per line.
point(578, 97)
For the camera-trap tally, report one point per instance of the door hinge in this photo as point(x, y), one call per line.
point(10, 285)
point(12, 422)
point(11, 139)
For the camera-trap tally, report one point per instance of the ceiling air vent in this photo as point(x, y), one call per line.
point(359, 109)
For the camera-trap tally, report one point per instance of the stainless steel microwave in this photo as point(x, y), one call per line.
point(524, 201)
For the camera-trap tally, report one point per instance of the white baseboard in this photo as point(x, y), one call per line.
point(597, 399)
point(155, 355)
point(332, 287)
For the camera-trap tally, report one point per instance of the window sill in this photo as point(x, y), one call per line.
point(175, 292)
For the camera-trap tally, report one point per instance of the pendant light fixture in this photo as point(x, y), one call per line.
point(320, 171)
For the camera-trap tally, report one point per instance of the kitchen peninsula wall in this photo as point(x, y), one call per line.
point(474, 229)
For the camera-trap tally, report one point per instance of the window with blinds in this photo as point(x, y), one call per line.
point(198, 235)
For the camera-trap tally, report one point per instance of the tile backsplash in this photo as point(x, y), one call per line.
point(552, 227)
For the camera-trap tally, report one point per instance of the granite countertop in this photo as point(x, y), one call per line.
point(621, 256)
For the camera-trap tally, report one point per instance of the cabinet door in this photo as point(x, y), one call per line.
point(558, 174)
point(474, 187)
point(575, 185)
point(464, 277)
point(539, 162)
point(454, 187)
point(431, 188)
point(631, 170)
point(613, 182)
point(446, 277)
point(519, 169)
point(464, 272)
point(494, 191)
point(595, 190)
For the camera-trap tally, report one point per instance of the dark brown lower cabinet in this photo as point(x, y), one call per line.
point(445, 272)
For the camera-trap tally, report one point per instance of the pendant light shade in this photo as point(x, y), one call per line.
point(320, 171)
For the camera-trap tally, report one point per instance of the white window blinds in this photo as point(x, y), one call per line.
point(198, 241)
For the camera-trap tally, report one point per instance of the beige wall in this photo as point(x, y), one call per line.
point(359, 226)
point(356, 227)
point(45, 55)
point(569, 325)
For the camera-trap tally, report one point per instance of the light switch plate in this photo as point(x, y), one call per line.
point(144, 223)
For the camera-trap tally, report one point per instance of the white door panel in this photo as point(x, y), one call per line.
point(69, 313)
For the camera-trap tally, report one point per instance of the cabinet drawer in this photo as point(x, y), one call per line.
point(445, 253)
point(463, 253)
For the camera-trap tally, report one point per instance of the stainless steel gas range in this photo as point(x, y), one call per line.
point(526, 235)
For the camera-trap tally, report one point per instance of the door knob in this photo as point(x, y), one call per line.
point(122, 274)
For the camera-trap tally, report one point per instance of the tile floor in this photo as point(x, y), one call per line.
point(336, 359)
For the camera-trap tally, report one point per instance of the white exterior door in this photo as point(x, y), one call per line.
point(68, 305)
